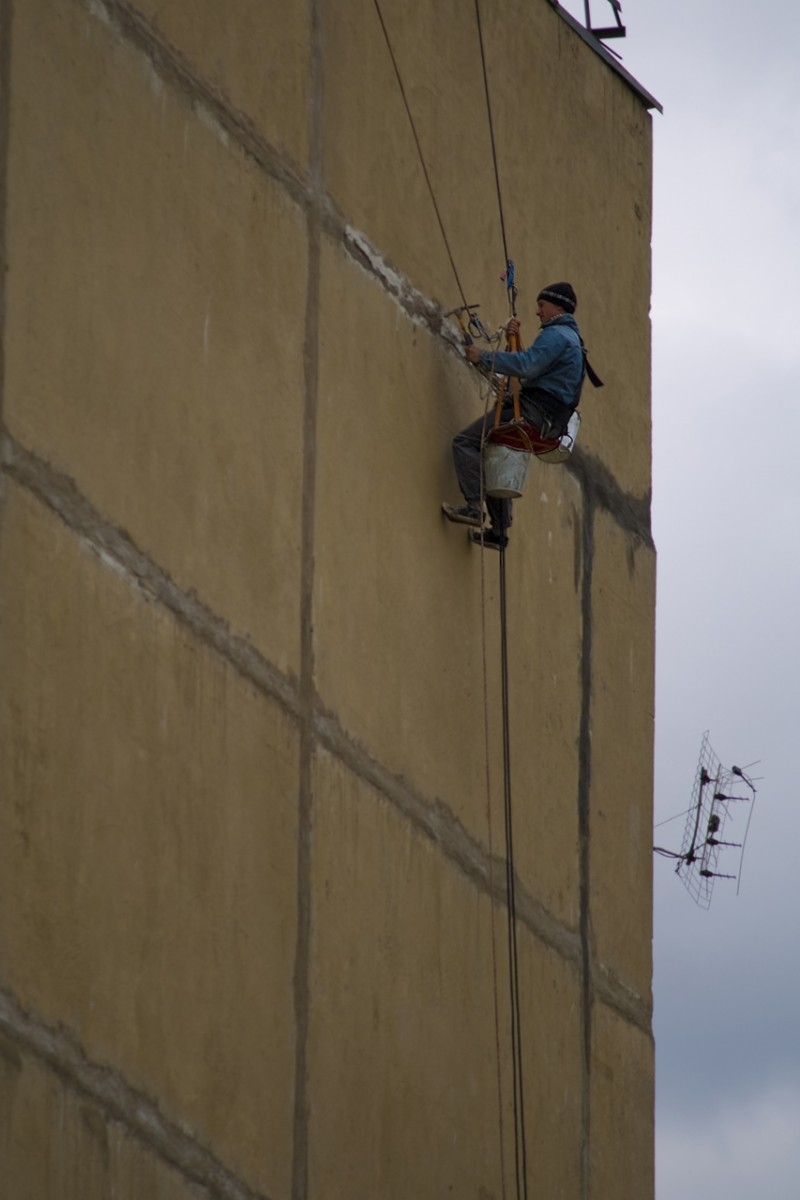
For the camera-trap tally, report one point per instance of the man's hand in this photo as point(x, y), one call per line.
point(512, 328)
point(472, 354)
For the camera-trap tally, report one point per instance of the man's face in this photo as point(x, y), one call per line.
point(546, 310)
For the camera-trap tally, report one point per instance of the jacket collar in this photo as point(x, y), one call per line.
point(561, 319)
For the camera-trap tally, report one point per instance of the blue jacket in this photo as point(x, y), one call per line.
point(554, 363)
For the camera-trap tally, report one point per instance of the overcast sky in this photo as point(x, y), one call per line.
point(726, 516)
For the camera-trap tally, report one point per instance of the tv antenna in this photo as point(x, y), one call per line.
point(716, 795)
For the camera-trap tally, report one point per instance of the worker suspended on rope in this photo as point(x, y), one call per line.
point(552, 370)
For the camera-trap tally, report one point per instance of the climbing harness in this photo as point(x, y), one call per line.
point(509, 445)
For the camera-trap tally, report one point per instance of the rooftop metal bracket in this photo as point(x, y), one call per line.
point(608, 31)
point(592, 38)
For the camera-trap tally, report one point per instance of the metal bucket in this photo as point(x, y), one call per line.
point(504, 471)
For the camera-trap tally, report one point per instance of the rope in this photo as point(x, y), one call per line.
point(519, 1139)
point(491, 880)
point(487, 392)
point(520, 1147)
point(520, 1153)
point(419, 152)
point(491, 130)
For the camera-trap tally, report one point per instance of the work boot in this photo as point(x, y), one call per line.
point(468, 514)
point(492, 539)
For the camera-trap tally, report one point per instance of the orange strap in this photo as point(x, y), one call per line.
point(513, 344)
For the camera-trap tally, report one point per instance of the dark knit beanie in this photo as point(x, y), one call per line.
point(562, 294)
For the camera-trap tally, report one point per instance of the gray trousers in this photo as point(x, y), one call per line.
point(468, 460)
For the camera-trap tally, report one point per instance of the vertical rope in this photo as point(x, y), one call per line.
point(486, 739)
point(520, 1150)
point(419, 152)
point(491, 130)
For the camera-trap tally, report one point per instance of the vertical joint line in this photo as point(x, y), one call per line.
point(5, 137)
point(305, 799)
point(5, 110)
point(584, 792)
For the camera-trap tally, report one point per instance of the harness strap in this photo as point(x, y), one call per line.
point(512, 343)
point(593, 377)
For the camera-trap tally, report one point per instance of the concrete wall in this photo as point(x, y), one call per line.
point(250, 884)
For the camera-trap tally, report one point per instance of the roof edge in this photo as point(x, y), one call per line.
point(616, 66)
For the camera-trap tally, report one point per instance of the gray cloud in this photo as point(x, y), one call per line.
point(747, 1147)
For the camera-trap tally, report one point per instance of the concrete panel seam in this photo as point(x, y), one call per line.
point(119, 1102)
point(584, 864)
point(117, 551)
point(414, 303)
point(175, 68)
point(439, 824)
point(5, 116)
point(302, 964)
point(627, 1003)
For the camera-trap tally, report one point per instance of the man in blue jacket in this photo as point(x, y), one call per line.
point(551, 371)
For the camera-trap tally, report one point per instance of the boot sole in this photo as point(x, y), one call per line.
point(485, 544)
point(453, 515)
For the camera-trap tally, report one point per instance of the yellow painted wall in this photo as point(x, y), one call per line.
point(251, 881)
